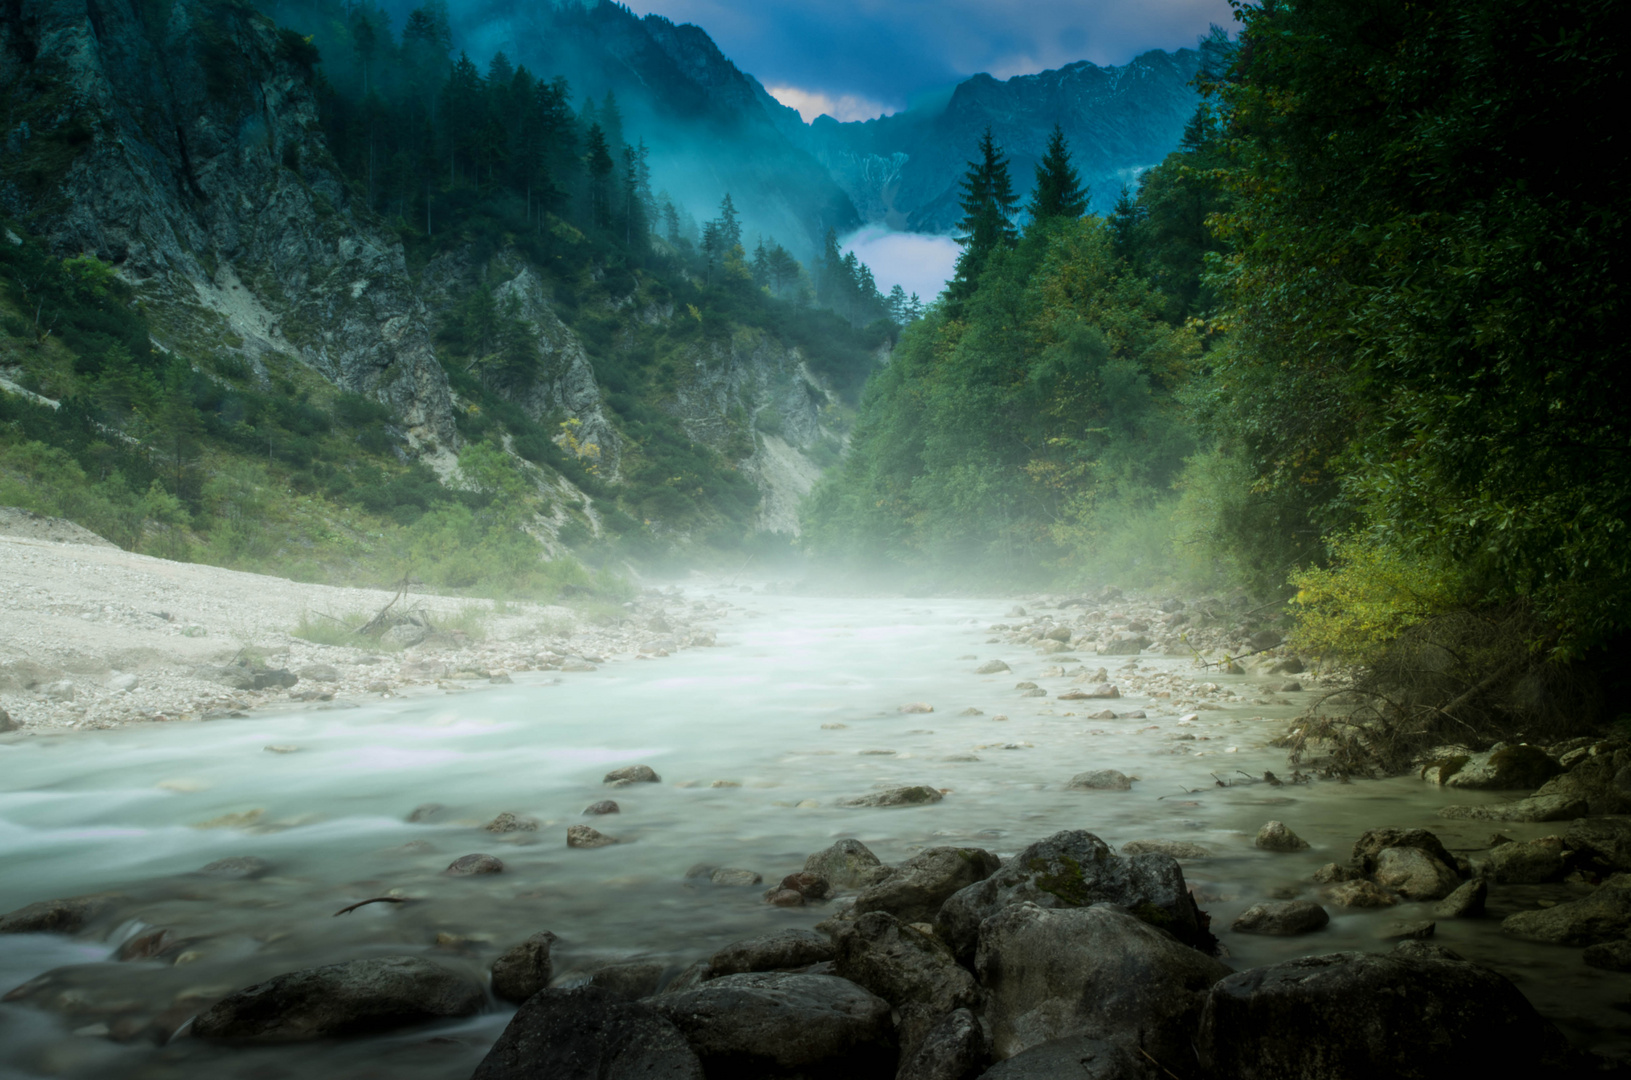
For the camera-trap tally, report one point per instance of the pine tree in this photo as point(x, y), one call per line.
point(598, 160)
point(730, 227)
point(760, 266)
point(1124, 221)
point(1059, 192)
point(988, 205)
point(896, 305)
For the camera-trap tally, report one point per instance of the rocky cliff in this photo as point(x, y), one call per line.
point(179, 142)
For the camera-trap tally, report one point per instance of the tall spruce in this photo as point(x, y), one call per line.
point(1059, 192)
point(988, 210)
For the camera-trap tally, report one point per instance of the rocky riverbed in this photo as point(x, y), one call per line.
point(918, 838)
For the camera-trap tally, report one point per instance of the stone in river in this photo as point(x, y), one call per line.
point(633, 774)
point(468, 865)
point(1605, 841)
point(916, 795)
point(1410, 930)
point(1103, 690)
point(781, 951)
point(1466, 902)
point(1609, 955)
point(1414, 1012)
point(917, 888)
point(1538, 808)
point(1274, 836)
point(523, 970)
point(588, 1033)
point(1415, 874)
point(1504, 768)
point(1605, 915)
point(847, 864)
point(1282, 917)
point(358, 997)
point(1368, 849)
point(916, 707)
point(817, 1027)
point(604, 806)
point(725, 875)
point(992, 667)
point(425, 812)
point(1529, 862)
point(582, 836)
point(577, 665)
point(972, 711)
point(1359, 894)
point(1037, 692)
point(808, 884)
point(509, 823)
point(56, 916)
point(954, 1049)
point(239, 867)
point(1102, 714)
point(1178, 849)
point(1025, 685)
point(785, 897)
point(1101, 780)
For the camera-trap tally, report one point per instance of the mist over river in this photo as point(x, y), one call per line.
point(756, 741)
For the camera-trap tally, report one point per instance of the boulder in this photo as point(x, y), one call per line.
point(604, 806)
point(1284, 918)
point(509, 823)
point(1359, 894)
point(1079, 1057)
point(1073, 869)
point(992, 667)
point(911, 970)
point(1351, 1015)
point(55, 916)
point(1605, 915)
point(633, 979)
point(916, 795)
point(781, 951)
point(917, 888)
point(847, 864)
point(817, 1027)
point(1534, 808)
point(1609, 955)
point(1602, 781)
point(357, 997)
point(523, 970)
point(1466, 902)
point(1332, 873)
point(1095, 971)
point(582, 836)
point(1177, 849)
point(1372, 843)
point(587, 1033)
point(1604, 841)
point(1274, 836)
point(1407, 930)
point(468, 865)
point(1101, 780)
point(1415, 874)
point(954, 1049)
point(7, 724)
point(725, 875)
point(632, 774)
point(808, 884)
point(1529, 862)
point(1516, 767)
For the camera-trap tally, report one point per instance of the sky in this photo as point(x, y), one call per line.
point(856, 59)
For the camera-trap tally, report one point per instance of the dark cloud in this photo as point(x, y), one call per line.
point(888, 51)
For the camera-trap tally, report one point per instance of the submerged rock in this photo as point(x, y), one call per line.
point(588, 1033)
point(1094, 971)
point(468, 865)
point(1534, 808)
point(632, 774)
point(1101, 780)
point(358, 997)
point(238, 868)
point(1605, 915)
point(582, 836)
point(1349, 1015)
point(1274, 836)
point(56, 916)
point(916, 795)
point(1282, 917)
point(1177, 849)
point(992, 667)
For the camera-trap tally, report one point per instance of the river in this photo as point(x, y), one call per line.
point(757, 742)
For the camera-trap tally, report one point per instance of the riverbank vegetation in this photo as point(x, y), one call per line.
point(1351, 347)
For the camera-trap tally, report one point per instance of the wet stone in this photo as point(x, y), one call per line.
point(425, 812)
point(1177, 849)
point(632, 774)
point(1359, 894)
point(1283, 918)
point(916, 795)
point(1411, 929)
point(469, 865)
point(509, 823)
point(782, 951)
point(604, 806)
point(523, 970)
point(1466, 902)
point(1101, 780)
point(1274, 836)
point(727, 875)
point(240, 868)
point(582, 836)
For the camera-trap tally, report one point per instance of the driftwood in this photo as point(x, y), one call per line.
point(365, 903)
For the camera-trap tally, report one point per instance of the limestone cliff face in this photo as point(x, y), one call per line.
point(195, 163)
point(758, 382)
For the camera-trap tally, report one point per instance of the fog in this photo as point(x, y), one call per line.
point(920, 263)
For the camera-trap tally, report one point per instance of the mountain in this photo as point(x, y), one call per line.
point(904, 169)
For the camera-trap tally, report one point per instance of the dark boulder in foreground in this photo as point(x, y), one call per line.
point(358, 997)
point(917, 888)
point(1416, 1012)
point(1079, 1057)
point(1098, 971)
point(587, 1033)
point(816, 1027)
point(523, 970)
point(954, 1049)
point(779, 951)
point(1074, 869)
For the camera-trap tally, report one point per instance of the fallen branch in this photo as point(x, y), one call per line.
point(365, 903)
point(376, 626)
point(1158, 1065)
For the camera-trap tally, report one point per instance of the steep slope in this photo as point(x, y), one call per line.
point(176, 141)
point(905, 169)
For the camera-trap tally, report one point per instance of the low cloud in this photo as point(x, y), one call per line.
point(918, 262)
point(813, 103)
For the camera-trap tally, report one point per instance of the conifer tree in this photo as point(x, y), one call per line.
point(988, 205)
point(1059, 192)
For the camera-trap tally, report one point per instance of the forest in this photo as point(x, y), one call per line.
point(1351, 347)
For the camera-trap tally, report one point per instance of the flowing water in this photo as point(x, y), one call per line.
point(757, 743)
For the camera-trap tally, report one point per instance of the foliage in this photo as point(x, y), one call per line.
point(1370, 594)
